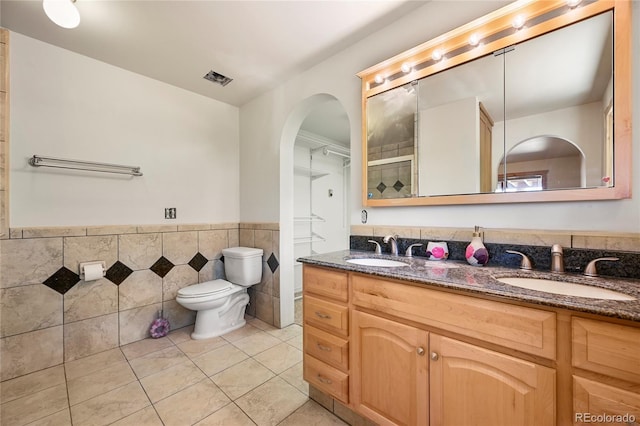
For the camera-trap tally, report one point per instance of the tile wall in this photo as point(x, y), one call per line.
point(48, 315)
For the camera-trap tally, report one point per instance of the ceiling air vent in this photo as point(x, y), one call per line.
point(218, 78)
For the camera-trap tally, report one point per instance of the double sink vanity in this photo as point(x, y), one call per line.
point(409, 341)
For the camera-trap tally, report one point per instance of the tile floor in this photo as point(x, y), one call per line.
point(252, 376)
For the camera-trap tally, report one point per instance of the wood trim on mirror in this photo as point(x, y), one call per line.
point(496, 23)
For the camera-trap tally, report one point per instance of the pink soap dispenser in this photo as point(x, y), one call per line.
point(476, 253)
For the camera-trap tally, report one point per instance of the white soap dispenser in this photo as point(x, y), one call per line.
point(476, 253)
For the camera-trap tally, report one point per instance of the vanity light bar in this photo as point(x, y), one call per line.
point(426, 58)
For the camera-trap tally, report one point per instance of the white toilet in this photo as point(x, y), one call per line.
point(220, 304)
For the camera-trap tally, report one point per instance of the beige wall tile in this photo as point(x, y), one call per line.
point(15, 233)
point(145, 229)
point(266, 282)
point(90, 336)
point(272, 226)
point(446, 234)
point(362, 230)
point(135, 323)
point(228, 225)
point(629, 242)
point(194, 227)
point(401, 231)
point(178, 315)
point(28, 308)
point(276, 283)
point(180, 247)
point(263, 239)
point(178, 277)
point(211, 243)
point(87, 249)
point(207, 273)
point(32, 383)
point(112, 230)
point(139, 289)
point(234, 237)
point(139, 251)
point(28, 352)
point(276, 312)
point(247, 238)
point(29, 261)
point(54, 232)
point(90, 299)
point(264, 307)
point(527, 237)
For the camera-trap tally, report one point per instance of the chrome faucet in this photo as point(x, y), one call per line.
point(393, 241)
point(557, 258)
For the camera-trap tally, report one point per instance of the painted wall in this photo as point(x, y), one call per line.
point(263, 123)
point(71, 106)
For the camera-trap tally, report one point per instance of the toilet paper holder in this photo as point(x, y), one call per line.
point(102, 263)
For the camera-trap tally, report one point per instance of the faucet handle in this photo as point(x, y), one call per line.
point(591, 269)
point(526, 262)
point(408, 252)
point(378, 248)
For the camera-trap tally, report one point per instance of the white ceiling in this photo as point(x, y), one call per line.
point(257, 43)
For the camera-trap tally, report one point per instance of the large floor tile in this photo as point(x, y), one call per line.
point(91, 364)
point(226, 416)
point(296, 342)
point(272, 402)
point(157, 361)
point(31, 383)
point(61, 418)
point(172, 380)
point(34, 406)
point(191, 404)
point(286, 333)
point(145, 417)
point(180, 335)
point(293, 376)
point(241, 333)
point(219, 359)
point(111, 406)
point(144, 347)
point(241, 378)
point(258, 323)
point(312, 413)
point(194, 348)
point(100, 382)
point(256, 343)
point(279, 357)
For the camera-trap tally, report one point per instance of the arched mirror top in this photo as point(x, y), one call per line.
point(400, 83)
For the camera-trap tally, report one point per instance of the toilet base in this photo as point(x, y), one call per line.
point(216, 322)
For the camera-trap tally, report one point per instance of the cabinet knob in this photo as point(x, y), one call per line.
point(420, 351)
point(435, 356)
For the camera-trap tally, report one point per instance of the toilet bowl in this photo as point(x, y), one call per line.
point(220, 304)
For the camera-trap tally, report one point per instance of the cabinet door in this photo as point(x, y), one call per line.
point(475, 386)
point(389, 371)
point(601, 404)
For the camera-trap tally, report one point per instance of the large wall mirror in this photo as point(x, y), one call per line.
point(531, 103)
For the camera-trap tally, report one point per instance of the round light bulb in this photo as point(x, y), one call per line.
point(379, 79)
point(436, 55)
point(405, 68)
point(573, 3)
point(62, 12)
point(474, 40)
point(518, 22)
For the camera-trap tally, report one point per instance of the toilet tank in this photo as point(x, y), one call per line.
point(243, 265)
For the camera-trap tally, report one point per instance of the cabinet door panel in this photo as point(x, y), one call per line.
point(389, 374)
point(475, 386)
point(595, 399)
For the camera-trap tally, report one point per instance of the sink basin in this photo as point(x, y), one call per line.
point(564, 288)
point(385, 263)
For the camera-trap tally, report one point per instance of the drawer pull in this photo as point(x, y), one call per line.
point(322, 315)
point(434, 356)
point(420, 351)
point(323, 347)
point(324, 379)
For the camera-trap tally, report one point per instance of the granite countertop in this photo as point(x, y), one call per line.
point(461, 276)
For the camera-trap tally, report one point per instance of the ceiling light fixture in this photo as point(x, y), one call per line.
point(518, 22)
point(62, 12)
point(405, 67)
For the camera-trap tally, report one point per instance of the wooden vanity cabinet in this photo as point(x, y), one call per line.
point(326, 331)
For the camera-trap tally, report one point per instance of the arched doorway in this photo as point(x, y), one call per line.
point(315, 129)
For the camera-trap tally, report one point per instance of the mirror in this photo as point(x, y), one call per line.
point(530, 121)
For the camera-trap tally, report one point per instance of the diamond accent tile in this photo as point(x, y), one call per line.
point(62, 280)
point(273, 263)
point(381, 187)
point(198, 262)
point(162, 266)
point(118, 273)
point(398, 185)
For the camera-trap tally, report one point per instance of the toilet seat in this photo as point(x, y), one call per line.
point(207, 288)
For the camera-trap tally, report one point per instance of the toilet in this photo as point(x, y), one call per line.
point(220, 304)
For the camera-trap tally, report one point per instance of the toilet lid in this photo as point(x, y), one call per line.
point(205, 288)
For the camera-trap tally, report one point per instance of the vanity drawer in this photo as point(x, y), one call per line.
point(606, 348)
point(595, 398)
point(324, 282)
point(326, 347)
point(326, 378)
point(516, 327)
point(326, 315)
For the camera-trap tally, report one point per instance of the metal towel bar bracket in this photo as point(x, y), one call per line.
point(92, 166)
